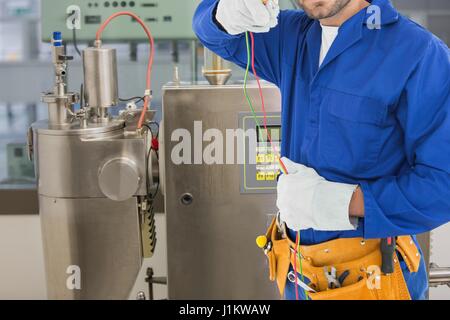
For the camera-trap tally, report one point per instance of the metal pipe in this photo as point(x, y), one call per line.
point(60, 102)
point(194, 62)
point(439, 276)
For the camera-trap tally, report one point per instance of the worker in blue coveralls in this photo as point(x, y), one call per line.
point(365, 115)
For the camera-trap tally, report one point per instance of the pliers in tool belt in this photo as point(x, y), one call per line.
point(331, 276)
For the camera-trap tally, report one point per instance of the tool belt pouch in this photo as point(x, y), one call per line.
point(361, 258)
point(278, 257)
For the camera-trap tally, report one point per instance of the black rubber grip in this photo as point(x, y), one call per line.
point(387, 255)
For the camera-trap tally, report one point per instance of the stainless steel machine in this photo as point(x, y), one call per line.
point(97, 178)
point(215, 211)
point(95, 191)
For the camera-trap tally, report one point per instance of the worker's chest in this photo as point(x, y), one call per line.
point(337, 120)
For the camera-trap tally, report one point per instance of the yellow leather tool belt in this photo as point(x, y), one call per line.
point(360, 259)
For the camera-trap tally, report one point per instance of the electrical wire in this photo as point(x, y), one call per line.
point(297, 241)
point(137, 99)
point(74, 32)
point(298, 255)
point(148, 125)
point(251, 63)
point(246, 76)
point(151, 197)
point(263, 107)
point(156, 124)
point(148, 91)
point(74, 35)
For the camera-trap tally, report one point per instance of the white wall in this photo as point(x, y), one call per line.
point(21, 259)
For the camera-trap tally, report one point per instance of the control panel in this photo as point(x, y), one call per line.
point(260, 169)
point(167, 19)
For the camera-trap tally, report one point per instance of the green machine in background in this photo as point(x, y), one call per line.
point(20, 168)
point(167, 19)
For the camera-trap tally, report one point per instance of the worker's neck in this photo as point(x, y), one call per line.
point(352, 8)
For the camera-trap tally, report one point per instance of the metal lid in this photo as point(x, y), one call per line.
point(75, 128)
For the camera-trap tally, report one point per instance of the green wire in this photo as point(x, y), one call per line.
point(247, 70)
point(301, 266)
point(255, 117)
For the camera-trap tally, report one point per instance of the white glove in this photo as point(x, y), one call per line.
point(306, 200)
point(239, 16)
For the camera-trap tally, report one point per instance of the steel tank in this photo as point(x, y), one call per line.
point(100, 77)
point(93, 181)
point(83, 226)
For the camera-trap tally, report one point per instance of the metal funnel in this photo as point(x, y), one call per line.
point(216, 70)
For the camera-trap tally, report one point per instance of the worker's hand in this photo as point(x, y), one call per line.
point(306, 200)
point(239, 16)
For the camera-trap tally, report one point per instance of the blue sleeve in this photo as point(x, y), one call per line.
point(233, 47)
point(418, 200)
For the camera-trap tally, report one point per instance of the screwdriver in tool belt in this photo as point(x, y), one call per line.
point(387, 255)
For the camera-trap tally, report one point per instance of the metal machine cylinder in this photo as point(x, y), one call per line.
point(100, 77)
point(85, 225)
point(216, 70)
point(93, 184)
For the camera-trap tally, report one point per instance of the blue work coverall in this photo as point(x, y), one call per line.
point(375, 113)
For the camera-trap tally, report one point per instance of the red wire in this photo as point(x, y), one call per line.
point(261, 95)
point(297, 243)
point(150, 59)
point(263, 107)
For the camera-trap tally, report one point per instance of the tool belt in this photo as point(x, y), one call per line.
point(358, 257)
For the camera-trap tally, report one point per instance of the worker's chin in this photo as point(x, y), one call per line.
point(319, 13)
point(323, 9)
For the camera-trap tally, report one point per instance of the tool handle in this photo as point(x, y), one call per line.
point(387, 255)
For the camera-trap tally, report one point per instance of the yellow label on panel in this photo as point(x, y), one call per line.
point(260, 158)
point(270, 176)
point(270, 157)
point(260, 176)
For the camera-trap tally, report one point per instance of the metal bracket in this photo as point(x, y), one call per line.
point(150, 279)
point(30, 147)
